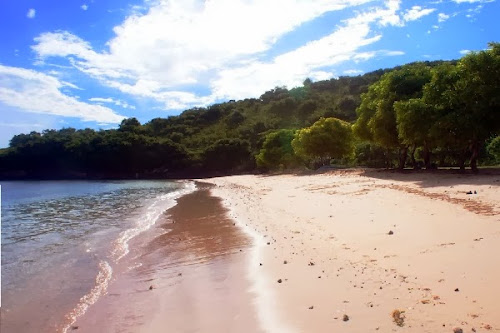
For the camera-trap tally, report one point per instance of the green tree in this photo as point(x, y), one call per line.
point(467, 101)
point(376, 115)
point(227, 155)
point(277, 150)
point(494, 148)
point(326, 139)
point(415, 119)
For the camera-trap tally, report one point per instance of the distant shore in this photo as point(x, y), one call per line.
point(360, 250)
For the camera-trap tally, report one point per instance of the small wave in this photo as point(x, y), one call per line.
point(101, 285)
point(153, 212)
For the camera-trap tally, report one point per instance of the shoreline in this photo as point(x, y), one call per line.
point(331, 245)
point(191, 275)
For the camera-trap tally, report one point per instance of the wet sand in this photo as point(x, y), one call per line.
point(364, 244)
point(187, 274)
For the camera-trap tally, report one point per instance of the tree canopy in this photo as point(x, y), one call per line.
point(444, 112)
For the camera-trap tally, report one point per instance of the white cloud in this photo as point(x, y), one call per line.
point(31, 13)
point(464, 52)
point(353, 72)
point(84, 7)
point(417, 12)
point(36, 92)
point(160, 53)
point(116, 102)
point(443, 17)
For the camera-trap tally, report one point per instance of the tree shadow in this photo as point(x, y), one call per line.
point(438, 177)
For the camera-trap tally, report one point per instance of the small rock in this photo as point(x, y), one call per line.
point(458, 330)
point(268, 243)
point(345, 318)
point(151, 287)
point(260, 264)
point(457, 290)
point(285, 262)
point(311, 307)
point(74, 327)
point(390, 232)
point(279, 281)
point(310, 263)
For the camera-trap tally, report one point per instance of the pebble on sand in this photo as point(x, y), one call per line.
point(151, 287)
point(390, 232)
point(458, 330)
point(279, 281)
point(311, 307)
point(345, 318)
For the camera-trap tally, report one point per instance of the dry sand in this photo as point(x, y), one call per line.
point(327, 237)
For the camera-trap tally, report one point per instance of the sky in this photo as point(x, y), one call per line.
point(92, 63)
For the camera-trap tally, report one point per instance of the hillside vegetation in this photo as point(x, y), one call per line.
point(424, 114)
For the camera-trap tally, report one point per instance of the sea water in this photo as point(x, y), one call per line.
point(64, 241)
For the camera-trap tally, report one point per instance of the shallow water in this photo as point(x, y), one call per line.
point(63, 242)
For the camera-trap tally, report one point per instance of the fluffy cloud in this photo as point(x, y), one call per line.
point(417, 12)
point(464, 52)
point(443, 17)
point(36, 92)
point(110, 100)
point(84, 7)
point(31, 13)
point(175, 45)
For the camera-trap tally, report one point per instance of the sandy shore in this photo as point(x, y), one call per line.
point(191, 276)
point(365, 243)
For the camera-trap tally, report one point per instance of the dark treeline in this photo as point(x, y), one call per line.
point(423, 114)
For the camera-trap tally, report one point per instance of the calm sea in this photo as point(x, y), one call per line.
point(64, 241)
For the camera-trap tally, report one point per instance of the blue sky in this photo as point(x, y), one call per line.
point(91, 63)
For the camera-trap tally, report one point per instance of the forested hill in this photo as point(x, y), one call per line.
point(222, 137)
point(346, 120)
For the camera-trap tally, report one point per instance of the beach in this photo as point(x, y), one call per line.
point(186, 274)
point(361, 250)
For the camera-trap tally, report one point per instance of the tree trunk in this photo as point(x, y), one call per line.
point(427, 157)
point(474, 156)
point(403, 152)
point(412, 156)
point(461, 162)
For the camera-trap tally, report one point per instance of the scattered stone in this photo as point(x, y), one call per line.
point(180, 274)
point(285, 262)
point(151, 287)
point(398, 317)
point(469, 192)
point(458, 330)
point(311, 307)
point(345, 318)
point(487, 327)
point(260, 264)
point(74, 327)
point(310, 264)
point(279, 281)
point(457, 290)
point(390, 232)
point(268, 243)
